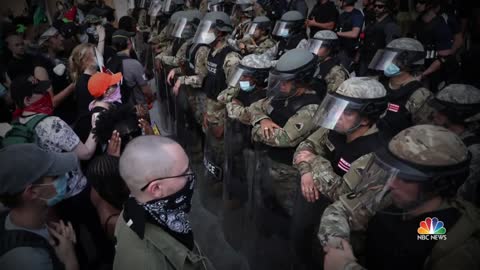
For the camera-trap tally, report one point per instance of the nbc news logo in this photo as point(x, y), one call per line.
point(431, 229)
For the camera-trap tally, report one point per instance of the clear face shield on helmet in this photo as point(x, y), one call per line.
point(339, 114)
point(283, 29)
point(281, 85)
point(182, 29)
point(314, 45)
point(385, 57)
point(241, 73)
point(373, 190)
point(205, 33)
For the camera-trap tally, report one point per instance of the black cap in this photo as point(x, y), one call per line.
point(25, 86)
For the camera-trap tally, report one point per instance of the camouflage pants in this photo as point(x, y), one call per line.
point(285, 180)
point(196, 101)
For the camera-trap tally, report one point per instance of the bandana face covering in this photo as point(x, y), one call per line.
point(172, 211)
point(43, 105)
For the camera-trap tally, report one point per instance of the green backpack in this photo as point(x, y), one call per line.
point(23, 133)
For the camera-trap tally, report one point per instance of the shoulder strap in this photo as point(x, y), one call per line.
point(32, 123)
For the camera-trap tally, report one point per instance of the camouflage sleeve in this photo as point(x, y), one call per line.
point(297, 128)
point(324, 177)
point(239, 112)
point(312, 144)
point(270, 53)
point(200, 69)
point(215, 112)
point(350, 213)
point(228, 94)
point(335, 77)
point(174, 60)
point(231, 61)
point(260, 48)
point(258, 111)
point(418, 106)
point(469, 189)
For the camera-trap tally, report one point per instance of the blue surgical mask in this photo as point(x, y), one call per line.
point(392, 70)
point(245, 86)
point(60, 185)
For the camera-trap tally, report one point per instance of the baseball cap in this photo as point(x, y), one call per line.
point(122, 34)
point(50, 32)
point(23, 164)
point(25, 86)
point(100, 82)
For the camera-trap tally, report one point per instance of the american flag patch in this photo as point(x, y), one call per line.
point(343, 165)
point(393, 107)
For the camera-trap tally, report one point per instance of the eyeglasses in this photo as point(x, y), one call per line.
point(187, 172)
point(379, 6)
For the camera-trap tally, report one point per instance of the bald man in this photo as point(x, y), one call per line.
point(153, 231)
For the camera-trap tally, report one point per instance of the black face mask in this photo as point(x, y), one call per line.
point(172, 211)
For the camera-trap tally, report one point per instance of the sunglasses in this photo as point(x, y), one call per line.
point(188, 172)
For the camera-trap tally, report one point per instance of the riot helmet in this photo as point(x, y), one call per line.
point(355, 99)
point(289, 24)
point(295, 68)
point(402, 54)
point(211, 23)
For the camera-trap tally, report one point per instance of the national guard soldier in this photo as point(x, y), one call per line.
point(407, 192)
point(221, 63)
point(282, 120)
point(457, 108)
point(246, 86)
point(407, 97)
point(348, 134)
point(192, 69)
point(289, 31)
point(242, 14)
point(257, 39)
point(330, 73)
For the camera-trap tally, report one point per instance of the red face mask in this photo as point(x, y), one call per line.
point(43, 105)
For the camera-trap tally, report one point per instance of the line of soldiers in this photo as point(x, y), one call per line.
point(319, 156)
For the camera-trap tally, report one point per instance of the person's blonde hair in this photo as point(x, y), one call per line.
point(77, 59)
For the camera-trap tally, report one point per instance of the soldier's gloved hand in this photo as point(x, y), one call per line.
point(268, 127)
point(303, 156)
point(309, 191)
point(337, 258)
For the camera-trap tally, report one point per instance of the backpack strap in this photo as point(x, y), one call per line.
point(11, 239)
point(32, 123)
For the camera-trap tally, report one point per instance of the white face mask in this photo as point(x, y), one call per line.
point(209, 37)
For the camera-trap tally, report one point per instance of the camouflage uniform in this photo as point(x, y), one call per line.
point(353, 212)
point(263, 45)
point(325, 179)
point(236, 110)
point(462, 94)
point(193, 84)
point(174, 60)
point(215, 110)
point(335, 77)
point(291, 134)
